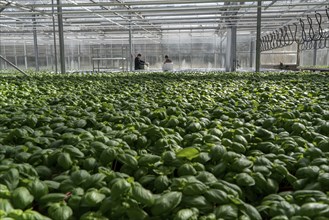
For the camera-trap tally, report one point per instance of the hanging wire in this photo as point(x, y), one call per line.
point(311, 33)
point(278, 36)
point(326, 34)
point(274, 42)
point(302, 25)
point(318, 18)
point(262, 43)
point(321, 43)
point(264, 39)
point(295, 35)
point(326, 42)
point(321, 40)
point(269, 41)
point(286, 39)
point(307, 36)
point(291, 38)
point(310, 45)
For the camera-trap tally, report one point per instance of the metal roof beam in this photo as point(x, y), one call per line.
point(195, 9)
point(269, 5)
point(190, 12)
point(3, 8)
point(136, 3)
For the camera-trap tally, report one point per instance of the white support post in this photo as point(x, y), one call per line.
point(79, 56)
point(61, 36)
point(25, 55)
point(35, 39)
point(315, 53)
point(5, 56)
point(130, 45)
point(15, 53)
point(251, 51)
point(230, 64)
point(259, 22)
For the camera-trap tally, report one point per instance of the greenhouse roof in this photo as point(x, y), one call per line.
point(151, 18)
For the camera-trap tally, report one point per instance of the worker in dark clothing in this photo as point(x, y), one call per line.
point(167, 60)
point(139, 63)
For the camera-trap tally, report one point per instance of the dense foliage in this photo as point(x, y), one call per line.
point(155, 146)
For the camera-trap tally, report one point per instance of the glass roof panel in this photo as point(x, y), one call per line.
point(151, 18)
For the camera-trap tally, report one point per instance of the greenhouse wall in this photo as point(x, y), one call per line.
point(187, 52)
point(322, 58)
point(285, 55)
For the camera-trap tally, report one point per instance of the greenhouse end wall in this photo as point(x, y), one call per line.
point(186, 51)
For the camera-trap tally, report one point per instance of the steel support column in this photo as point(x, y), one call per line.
point(90, 56)
point(179, 53)
point(298, 55)
point(2, 66)
point(4, 56)
point(47, 60)
point(54, 34)
point(25, 55)
point(230, 62)
point(259, 22)
point(15, 53)
point(252, 45)
point(35, 40)
point(79, 56)
point(191, 50)
point(315, 52)
point(326, 58)
point(122, 55)
point(234, 60)
point(61, 36)
point(130, 45)
point(228, 51)
point(221, 54)
point(127, 59)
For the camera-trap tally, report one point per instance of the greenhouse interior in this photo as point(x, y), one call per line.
point(164, 110)
point(83, 35)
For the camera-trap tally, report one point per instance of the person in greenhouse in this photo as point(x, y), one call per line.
point(139, 63)
point(168, 65)
point(167, 60)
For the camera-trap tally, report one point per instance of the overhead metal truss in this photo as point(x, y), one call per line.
point(150, 18)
